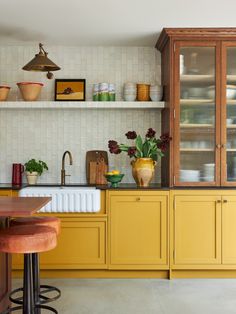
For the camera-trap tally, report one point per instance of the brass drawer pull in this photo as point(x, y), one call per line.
point(218, 201)
point(138, 199)
point(225, 201)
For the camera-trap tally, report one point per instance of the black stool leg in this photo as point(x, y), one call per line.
point(28, 298)
point(36, 281)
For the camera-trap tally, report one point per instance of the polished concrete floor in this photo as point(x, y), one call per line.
point(145, 296)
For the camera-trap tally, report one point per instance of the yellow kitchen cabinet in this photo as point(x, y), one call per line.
point(81, 245)
point(138, 230)
point(6, 193)
point(197, 230)
point(229, 230)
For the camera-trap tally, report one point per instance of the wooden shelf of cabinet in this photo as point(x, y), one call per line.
point(82, 105)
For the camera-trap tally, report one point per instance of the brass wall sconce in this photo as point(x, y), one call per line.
point(42, 63)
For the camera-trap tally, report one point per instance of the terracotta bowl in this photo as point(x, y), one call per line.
point(30, 90)
point(4, 91)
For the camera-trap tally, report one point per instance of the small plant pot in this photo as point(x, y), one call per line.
point(4, 91)
point(30, 90)
point(32, 177)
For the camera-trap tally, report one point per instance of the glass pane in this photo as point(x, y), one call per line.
point(231, 114)
point(197, 114)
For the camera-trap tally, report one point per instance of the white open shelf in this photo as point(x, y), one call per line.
point(82, 105)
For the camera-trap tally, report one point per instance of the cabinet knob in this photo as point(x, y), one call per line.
point(138, 199)
point(218, 146)
point(223, 145)
point(218, 201)
point(225, 201)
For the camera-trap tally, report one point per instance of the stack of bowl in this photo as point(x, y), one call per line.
point(181, 64)
point(156, 92)
point(130, 91)
point(143, 92)
point(103, 92)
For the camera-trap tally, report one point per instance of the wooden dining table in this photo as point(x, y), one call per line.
point(14, 207)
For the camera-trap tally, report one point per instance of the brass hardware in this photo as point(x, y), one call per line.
point(218, 146)
point(63, 172)
point(223, 145)
point(42, 63)
point(138, 199)
point(225, 201)
point(218, 201)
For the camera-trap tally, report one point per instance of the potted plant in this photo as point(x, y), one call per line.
point(145, 152)
point(33, 169)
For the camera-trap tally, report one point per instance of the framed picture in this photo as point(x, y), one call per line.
point(70, 89)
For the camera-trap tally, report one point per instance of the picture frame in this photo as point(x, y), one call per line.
point(70, 90)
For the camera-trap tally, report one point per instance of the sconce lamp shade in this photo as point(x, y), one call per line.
point(41, 62)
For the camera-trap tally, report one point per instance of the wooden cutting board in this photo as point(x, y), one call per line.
point(93, 156)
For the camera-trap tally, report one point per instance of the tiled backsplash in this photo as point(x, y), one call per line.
point(46, 134)
point(95, 64)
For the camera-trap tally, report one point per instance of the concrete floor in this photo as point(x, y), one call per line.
point(144, 296)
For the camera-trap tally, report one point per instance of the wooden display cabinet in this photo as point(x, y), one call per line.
point(199, 79)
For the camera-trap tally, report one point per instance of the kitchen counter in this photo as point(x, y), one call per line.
point(122, 186)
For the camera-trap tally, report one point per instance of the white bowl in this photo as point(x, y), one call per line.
point(129, 97)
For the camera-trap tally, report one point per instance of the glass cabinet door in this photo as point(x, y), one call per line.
point(196, 115)
point(229, 116)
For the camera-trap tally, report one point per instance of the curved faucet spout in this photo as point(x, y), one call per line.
point(63, 172)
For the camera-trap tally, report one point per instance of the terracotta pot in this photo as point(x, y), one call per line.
point(4, 91)
point(143, 170)
point(32, 177)
point(30, 90)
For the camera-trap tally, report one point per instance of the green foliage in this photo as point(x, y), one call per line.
point(36, 166)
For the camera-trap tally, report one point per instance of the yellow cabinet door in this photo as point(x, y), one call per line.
point(138, 231)
point(229, 230)
point(81, 245)
point(197, 230)
point(5, 192)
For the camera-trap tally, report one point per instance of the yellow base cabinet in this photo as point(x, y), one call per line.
point(203, 229)
point(138, 230)
point(7, 193)
point(81, 245)
point(229, 230)
point(197, 230)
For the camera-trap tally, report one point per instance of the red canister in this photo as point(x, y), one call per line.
point(17, 170)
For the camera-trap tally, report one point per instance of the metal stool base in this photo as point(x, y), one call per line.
point(45, 307)
point(42, 298)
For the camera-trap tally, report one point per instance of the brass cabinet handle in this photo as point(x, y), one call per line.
point(218, 201)
point(218, 146)
point(225, 201)
point(138, 199)
point(223, 145)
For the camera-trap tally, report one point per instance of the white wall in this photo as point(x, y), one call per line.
point(46, 134)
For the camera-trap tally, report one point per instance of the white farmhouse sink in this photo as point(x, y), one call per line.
point(67, 199)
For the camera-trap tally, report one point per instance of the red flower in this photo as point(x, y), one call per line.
point(114, 147)
point(131, 135)
point(131, 151)
point(150, 133)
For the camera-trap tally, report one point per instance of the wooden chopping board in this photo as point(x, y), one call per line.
point(96, 161)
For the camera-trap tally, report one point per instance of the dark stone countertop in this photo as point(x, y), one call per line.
point(122, 186)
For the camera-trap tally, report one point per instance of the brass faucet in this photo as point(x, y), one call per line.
point(63, 172)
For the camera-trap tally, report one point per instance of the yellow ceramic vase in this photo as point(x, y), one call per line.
point(143, 170)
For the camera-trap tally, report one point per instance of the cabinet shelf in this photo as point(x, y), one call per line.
point(82, 105)
point(197, 101)
point(197, 78)
point(196, 125)
point(196, 149)
point(231, 79)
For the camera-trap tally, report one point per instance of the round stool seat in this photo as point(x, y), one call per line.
point(53, 222)
point(27, 239)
